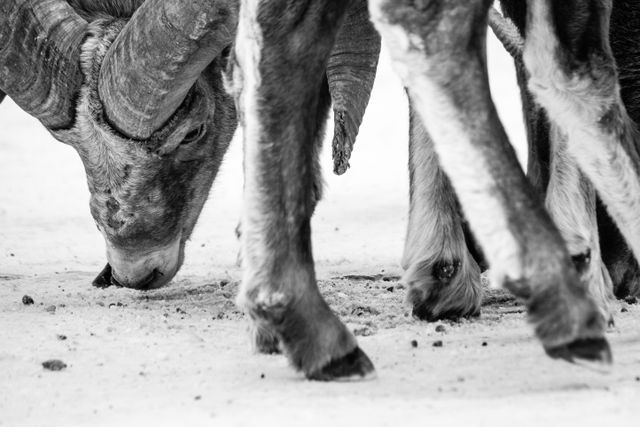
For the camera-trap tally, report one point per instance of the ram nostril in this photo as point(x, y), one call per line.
point(150, 280)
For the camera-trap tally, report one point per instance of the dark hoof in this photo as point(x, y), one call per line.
point(351, 366)
point(425, 313)
point(591, 350)
point(443, 289)
point(444, 271)
point(104, 279)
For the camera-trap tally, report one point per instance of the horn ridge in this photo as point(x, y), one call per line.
point(157, 58)
point(39, 51)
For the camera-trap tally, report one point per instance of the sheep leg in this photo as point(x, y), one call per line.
point(282, 50)
point(571, 202)
point(442, 276)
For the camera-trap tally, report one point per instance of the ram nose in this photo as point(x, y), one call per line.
point(150, 271)
point(106, 278)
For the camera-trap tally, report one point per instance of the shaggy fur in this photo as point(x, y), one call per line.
point(443, 277)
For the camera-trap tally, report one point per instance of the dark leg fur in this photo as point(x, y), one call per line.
point(284, 96)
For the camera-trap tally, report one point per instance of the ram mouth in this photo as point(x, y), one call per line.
point(106, 279)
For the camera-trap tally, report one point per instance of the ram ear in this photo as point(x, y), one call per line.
point(351, 71)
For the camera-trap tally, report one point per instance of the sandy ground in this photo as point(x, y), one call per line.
point(180, 355)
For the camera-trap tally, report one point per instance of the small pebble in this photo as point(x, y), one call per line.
point(262, 376)
point(390, 289)
point(437, 343)
point(631, 300)
point(61, 337)
point(484, 343)
point(414, 343)
point(223, 283)
point(54, 365)
point(440, 328)
point(51, 309)
point(623, 310)
point(198, 397)
point(27, 300)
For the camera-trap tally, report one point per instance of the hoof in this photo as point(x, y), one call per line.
point(424, 312)
point(266, 342)
point(589, 350)
point(444, 290)
point(354, 365)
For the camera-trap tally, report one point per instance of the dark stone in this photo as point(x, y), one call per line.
point(414, 343)
point(440, 328)
point(437, 343)
point(27, 300)
point(54, 365)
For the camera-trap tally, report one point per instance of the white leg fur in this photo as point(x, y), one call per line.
point(247, 75)
point(571, 201)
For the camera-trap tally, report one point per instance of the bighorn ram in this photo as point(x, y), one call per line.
point(438, 48)
point(142, 102)
point(137, 88)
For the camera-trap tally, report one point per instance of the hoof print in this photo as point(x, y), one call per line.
point(353, 365)
point(591, 350)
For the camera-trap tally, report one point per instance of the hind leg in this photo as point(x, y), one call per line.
point(442, 276)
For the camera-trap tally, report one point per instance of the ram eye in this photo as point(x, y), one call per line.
point(194, 135)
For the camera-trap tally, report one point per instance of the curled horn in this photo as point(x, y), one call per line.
point(39, 50)
point(158, 57)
